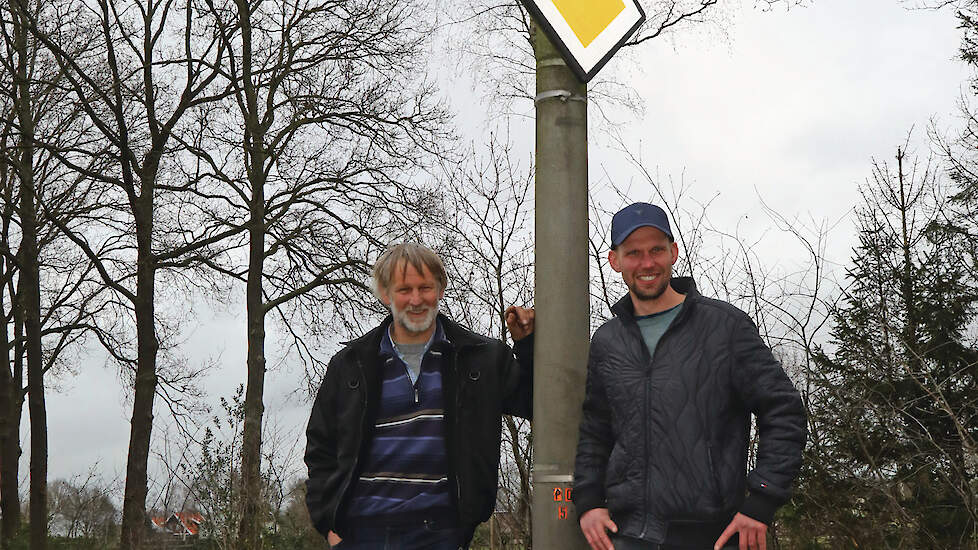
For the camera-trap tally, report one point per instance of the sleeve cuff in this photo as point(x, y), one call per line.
point(523, 344)
point(584, 507)
point(523, 349)
point(760, 507)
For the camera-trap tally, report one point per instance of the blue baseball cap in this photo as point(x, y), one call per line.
point(633, 216)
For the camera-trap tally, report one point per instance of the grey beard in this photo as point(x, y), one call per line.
point(415, 327)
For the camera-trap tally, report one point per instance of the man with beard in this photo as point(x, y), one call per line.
point(672, 382)
point(403, 441)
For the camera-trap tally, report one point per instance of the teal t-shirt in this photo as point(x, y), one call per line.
point(655, 325)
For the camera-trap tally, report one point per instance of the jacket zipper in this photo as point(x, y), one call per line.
point(414, 385)
point(648, 393)
point(356, 457)
point(407, 371)
point(645, 504)
point(417, 383)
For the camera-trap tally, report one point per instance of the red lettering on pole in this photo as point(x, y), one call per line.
point(567, 494)
point(558, 495)
point(561, 512)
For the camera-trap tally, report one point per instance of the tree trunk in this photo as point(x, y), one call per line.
point(250, 528)
point(907, 279)
point(11, 388)
point(12, 450)
point(30, 294)
point(254, 407)
point(141, 427)
point(11, 402)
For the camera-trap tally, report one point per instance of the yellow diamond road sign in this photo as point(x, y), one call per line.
point(587, 32)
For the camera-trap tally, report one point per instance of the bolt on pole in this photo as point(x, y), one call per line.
point(561, 294)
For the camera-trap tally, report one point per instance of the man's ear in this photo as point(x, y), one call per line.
point(384, 296)
point(613, 260)
point(675, 252)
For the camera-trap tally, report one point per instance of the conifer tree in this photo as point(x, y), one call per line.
point(898, 391)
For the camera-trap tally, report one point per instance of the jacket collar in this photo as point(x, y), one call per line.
point(454, 336)
point(625, 309)
point(438, 340)
point(457, 335)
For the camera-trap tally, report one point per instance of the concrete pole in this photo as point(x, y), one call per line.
point(562, 297)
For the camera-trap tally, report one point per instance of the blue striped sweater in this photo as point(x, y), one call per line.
point(404, 475)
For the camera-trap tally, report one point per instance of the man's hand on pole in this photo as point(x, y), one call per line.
point(519, 320)
point(753, 534)
point(594, 522)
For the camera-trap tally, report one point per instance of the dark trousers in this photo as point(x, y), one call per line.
point(429, 535)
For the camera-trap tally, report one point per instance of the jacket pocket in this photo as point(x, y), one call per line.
point(619, 494)
point(617, 469)
point(719, 497)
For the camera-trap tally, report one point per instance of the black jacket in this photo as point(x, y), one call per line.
point(663, 440)
point(482, 380)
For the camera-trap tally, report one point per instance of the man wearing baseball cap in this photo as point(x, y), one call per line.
point(673, 380)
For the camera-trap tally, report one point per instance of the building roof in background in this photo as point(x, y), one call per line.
point(179, 523)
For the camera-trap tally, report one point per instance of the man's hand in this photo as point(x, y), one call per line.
point(753, 534)
point(593, 524)
point(333, 539)
point(519, 320)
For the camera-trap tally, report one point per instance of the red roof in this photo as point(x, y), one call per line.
point(191, 521)
point(180, 522)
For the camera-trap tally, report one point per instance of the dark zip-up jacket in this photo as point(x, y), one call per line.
point(481, 381)
point(663, 440)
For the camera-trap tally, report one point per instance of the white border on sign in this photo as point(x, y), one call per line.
point(602, 44)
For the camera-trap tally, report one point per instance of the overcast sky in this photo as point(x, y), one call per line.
point(794, 105)
point(787, 105)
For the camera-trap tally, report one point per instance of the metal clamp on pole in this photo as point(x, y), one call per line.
point(552, 62)
point(563, 95)
point(554, 478)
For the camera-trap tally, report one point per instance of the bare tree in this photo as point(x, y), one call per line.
point(329, 110)
point(82, 507)
point(29, 282)
point(11, 371)
point(203, 474)
point(135, 93)
point(48, 318)
point(486, 243)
